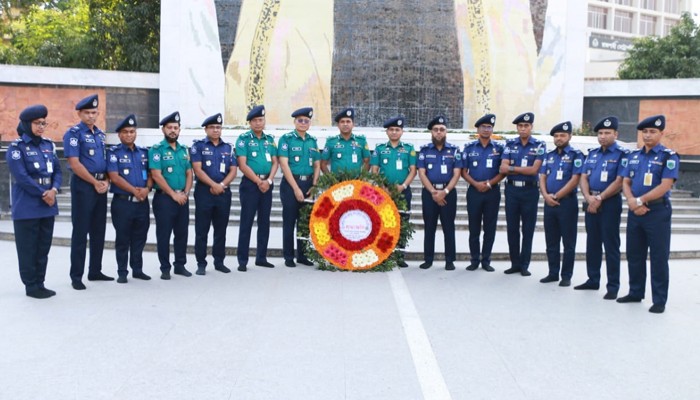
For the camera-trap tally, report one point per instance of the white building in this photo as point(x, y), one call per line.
point(612, 24)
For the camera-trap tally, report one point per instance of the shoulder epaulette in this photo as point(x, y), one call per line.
point(669, 151)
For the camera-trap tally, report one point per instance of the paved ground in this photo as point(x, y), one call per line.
point(305, 334)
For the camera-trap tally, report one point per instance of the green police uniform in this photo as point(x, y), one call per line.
point(173, 164)
point(394, 162)
point(302, 153)
point(259, 152)
point(346, 155)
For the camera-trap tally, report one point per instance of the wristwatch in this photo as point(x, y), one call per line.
point(269, 181)
point(511, 168)
point(598, 197)
point(639, 201)
point(447, 191)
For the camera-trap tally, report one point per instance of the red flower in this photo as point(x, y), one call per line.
point(334, 224)
point(385, 242)
point(324, 208)
point(372, 195)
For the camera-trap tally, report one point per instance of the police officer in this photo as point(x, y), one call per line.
point(521, 162)
point(396, 160)
point(127, 167)
point(257, 160)
point(559, 178)
point(215, 166)
point(36, 176)
point(85, 149)
point(481, 160)
point(601, 183)
point(347, 151)
point(439, 171)
point(650, 174)
point(299, 157)
point(172, 177)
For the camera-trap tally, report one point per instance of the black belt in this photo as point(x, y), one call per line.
point(127, 197)
point(303, 178)
point(657, 201)
point(496, 186)
point(263, 176)
point(43, 181)
point(522, 183)
point(176, 191)
point(439, 186)
point(100, 176)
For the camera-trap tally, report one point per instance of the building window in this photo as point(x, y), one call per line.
point(647, 25)
point(668, 25)
point(648, 4)
point(623, 21)
point(597, 17)
point(673, 6)
point(624, 2)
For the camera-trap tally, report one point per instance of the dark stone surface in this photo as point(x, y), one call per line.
point(538, 10)
point(395, 57)
point(141, 102)
point(626, 109)
point(227, 13)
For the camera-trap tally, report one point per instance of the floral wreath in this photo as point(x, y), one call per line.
point(355, 223)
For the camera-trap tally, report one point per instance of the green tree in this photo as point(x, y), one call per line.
point(676, 55)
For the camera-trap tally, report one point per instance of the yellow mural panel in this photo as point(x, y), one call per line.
point(282, 57)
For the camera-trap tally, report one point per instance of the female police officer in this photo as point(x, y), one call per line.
point(37, 177)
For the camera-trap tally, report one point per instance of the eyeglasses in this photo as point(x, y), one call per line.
point(40, 124)
point(303, 120)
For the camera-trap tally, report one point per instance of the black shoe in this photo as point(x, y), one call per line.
point(472, 267)
point(549, 278)
point(525, 273)
point(78, 285)
point(425, 265)
point(223, 268)
point(487, 268)
point(610, 296)
point(305, 261)
point(629, 299)
point(265, 264)
point(402, 264)
point(242, 268)
point(290, 263)
point(201, 271)
point(511, 270)
point(182, 271)
point(39, 294)
point(165, 275)
point(657, 308)
point(565, 283)
point(99, 277)
point(49, 291)
point(450, 266)
point(588, 286)
point(122, 279)
point(140, 275)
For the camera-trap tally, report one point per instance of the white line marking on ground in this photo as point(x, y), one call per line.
point(429, 375)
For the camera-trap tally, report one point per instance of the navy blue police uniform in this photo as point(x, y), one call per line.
point(171, 217)
point(602, 167)
point(439, 165)
point(88, 208)
point(259, 153)
point(522, 195)
point(651, 232)
point(561, 222)
point(303, 157)
point(212, 210)
point(35, 170)
point(482, 164)
point(130, 216)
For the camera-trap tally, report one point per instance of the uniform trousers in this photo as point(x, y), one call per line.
point(560, 227)
point(89, 217)
point(649, 233)
point(131, 222)
point(210, 210)
point(603, 230)
point(33, 240)
point(171, 219)
point(521, 207)
point(447, 213)
point(253, 202)
point(290, 218)
point(482, 208)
